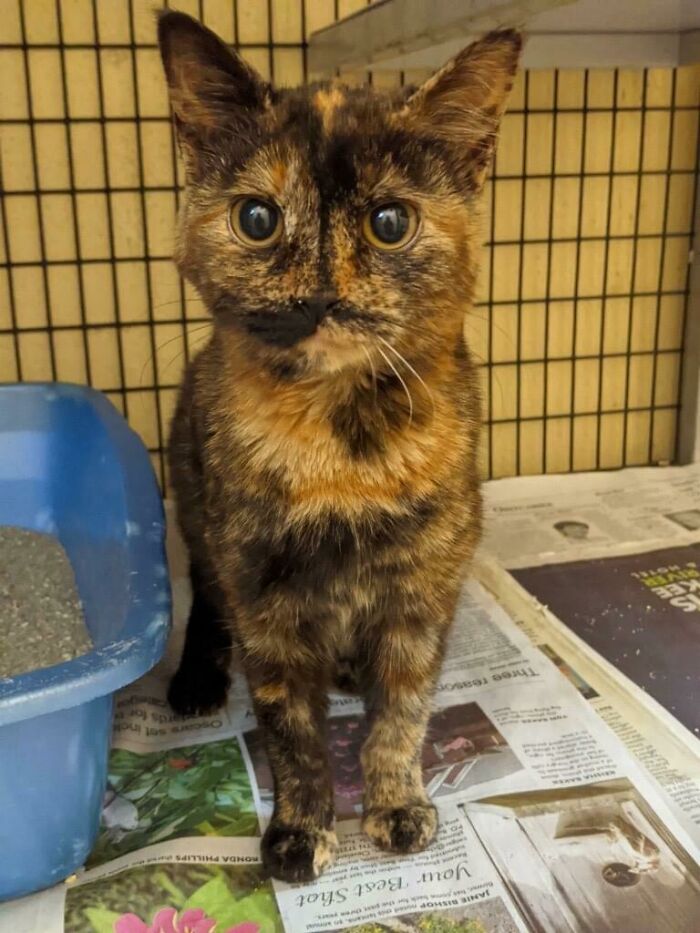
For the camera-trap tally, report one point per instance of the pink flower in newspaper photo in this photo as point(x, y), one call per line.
point(167, 921)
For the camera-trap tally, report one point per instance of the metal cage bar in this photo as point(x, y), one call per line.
point(549, 403)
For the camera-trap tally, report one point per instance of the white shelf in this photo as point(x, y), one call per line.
point(408, 34)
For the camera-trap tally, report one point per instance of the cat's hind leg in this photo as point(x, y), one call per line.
point(202, 680)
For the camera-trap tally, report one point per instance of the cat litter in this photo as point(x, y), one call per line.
point(41, 619)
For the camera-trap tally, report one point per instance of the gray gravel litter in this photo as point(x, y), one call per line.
point(41, 619)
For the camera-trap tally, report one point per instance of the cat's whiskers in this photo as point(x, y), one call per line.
point(166, 343)
point(410, 368)
point(373, 370)
point(194, 345)
point(399, 377)
point(179, 301)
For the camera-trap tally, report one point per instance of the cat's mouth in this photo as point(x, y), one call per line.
point(329, 336)
point(336, 339)
point(333, 347)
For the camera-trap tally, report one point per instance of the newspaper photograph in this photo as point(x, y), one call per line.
point(551, 818)
point(544, 519)
point(570, 858)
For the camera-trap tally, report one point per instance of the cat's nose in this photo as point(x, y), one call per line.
point(318, 306)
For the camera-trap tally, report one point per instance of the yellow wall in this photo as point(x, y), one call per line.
point(588, 224)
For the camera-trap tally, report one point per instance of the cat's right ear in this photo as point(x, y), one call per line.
point(212, 90)
point(462, 104)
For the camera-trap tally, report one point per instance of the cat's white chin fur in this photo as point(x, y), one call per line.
point(332, 349)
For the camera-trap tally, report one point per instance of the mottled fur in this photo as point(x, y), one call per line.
point(324, 456)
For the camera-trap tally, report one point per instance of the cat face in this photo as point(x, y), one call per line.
point(332, 228)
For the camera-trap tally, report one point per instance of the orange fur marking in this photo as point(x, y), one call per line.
point(327, 101)
point(200, 220)
point(272, 693)
point(278, 177)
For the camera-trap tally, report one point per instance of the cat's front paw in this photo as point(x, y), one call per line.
point(401, 829)
point(293, 854)
point(196, 690)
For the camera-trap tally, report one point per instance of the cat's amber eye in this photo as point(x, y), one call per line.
point(391, 225)
point(256, 222)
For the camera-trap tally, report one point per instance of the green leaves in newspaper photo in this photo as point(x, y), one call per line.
point(488, 916)
point(195, 790)
point(430, 923)
point(180, 898)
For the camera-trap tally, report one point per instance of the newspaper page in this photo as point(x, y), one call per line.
point(616, 558)
point(658, 742)
point(546, 821)
point(609, 588)
point(561, 518)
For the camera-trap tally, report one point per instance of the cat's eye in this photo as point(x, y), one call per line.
point(256, 222)
point(391, 225)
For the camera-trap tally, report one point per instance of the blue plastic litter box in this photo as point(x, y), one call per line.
point(70, 466)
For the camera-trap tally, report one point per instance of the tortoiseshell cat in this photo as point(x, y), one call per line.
point(323, 452)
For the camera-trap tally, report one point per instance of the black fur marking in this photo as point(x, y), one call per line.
point(406, 828)
point(202, 681)
point(343, 312)
point(288, 853)
point(362, 421)
point(399, 529)
point(288, 324)
point(282, 328)
point(301, 122)
point(197, 690)
point(413, 271)
point(460, 350)
point(348, 676)
point(258, 509)
point(363, 435)
point(403, 830)
point(286, 370)
point(334, 168)
point(308, 560)
point(303, 561)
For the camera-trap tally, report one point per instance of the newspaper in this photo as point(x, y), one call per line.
point(558, 519)
point(608, 567)
point(549, 818)
point(616, 558)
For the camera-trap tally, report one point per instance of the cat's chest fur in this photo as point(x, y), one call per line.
point(339, 448)
point(303, 508)
point(300, 509)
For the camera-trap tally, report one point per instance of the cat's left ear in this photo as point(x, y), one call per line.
point(212, 90)
point(462, 104)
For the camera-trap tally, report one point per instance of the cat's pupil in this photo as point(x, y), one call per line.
point(258, 219)
point(390, 222)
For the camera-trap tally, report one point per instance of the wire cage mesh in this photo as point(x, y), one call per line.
point(588, 227)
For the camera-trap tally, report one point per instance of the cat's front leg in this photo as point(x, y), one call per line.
point(403, 660)
point(291, 705)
